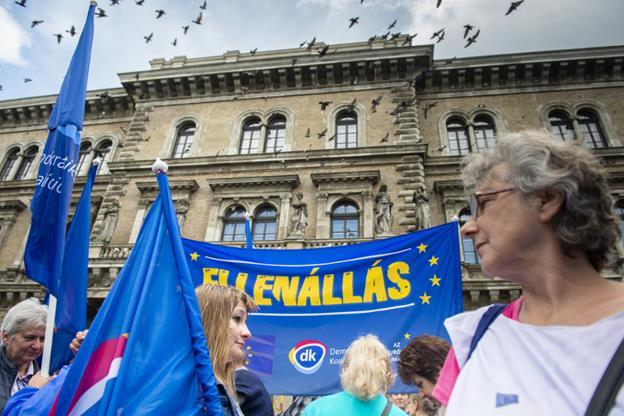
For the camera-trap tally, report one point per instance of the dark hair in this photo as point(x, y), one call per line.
point(424, 357)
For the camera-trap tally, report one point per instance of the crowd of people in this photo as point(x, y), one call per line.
point(541, 217)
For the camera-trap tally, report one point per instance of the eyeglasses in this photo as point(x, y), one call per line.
point(475, 202)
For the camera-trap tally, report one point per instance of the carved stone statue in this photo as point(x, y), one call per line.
point(299, 219)
point(182, 207)
point(383, 211)
point(111, 215)
point(422, 217)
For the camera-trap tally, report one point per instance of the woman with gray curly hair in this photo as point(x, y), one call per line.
point(541, 216)
point(365, 377)
point(23, 332)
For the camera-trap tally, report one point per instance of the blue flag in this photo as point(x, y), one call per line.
point(314, 302)
point(43, 256)
point(146, 351)
point(248, 236)
point(71, 302)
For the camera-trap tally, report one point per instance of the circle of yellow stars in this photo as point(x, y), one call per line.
point(435, 280)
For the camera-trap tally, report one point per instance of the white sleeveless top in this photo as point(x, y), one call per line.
point(521, 369)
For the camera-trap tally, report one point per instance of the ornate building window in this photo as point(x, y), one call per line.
point(265, 223)
point(28, 158)
point(468, 248)
point(234, 224)
point(103, 151)
point(346, 130)
point(9, 162)
point(485, 132)
point(83, 158)
point(250, 136)
point(275, 134)
point(590, 130)
point(561, 125)
point(345, 220)
point(184, 140)
point(458, 138)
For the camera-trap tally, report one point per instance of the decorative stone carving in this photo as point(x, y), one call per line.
point(299, 219)
point(422, 217)
point(182, 207)
point(111, 215)
point(383, 211)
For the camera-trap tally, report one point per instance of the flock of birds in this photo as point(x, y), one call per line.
point(470, 36)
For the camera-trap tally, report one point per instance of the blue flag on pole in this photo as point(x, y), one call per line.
point(71, 305)
point(43, 256)
point(146, 351)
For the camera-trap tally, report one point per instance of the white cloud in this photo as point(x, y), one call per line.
point(14, 38)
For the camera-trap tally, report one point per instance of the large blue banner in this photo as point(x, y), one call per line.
point(315, 302)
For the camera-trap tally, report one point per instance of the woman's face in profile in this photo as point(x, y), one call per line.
point(238, 333)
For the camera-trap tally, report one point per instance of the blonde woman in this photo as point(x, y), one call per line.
point(224, 318)
point(365, 377)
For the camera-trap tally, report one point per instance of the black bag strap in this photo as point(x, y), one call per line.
point(609, 386)
point(386, 410)
point(484, 323)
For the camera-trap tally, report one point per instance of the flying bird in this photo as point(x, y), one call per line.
point(27, 80)
point(307, 132)
point(302, 44)
point(393, 24)
point(71, 31)
point(438, 3)
point(467, 30)
point(513, 6)
point(429, 106)
point(409, 38)
point(21, 3)
point(203, 6)
point(58, 37)
point(354, 79)
point(185, 28)
point(199, 19)
point(101, 13)
point(322, 134)
point(472, 39)
point(159, 13)
point(114, 2)
point(311, 43)
point(385, 138)
point(35, 23)
point(353, 20)
point(253, 51)
point(148, 38)
point(324, 104)
point(323, 51)
point(139, 2)
point(441, 37)
point(450, 61)
point(437, 34)
point(0, 87)
point(375, 103)
point(175, 42)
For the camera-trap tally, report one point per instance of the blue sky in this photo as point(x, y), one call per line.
point(277, 24)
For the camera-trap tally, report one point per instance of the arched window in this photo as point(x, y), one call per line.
point(184, 140)
point(470, 254)
point(103, 151)
point(484, 132)
point(265, 223)
point(83, 156)
point(561, 125)
point(458, 141)
point(250, 136)
point(346, 130)
point(345, 220)
point(589, 126)
point(234, 224)
point(275, 134)
point(9, 162)
point(28, 158)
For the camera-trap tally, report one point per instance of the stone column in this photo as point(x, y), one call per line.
point(138, 221)
point(367, 214)
point(284, 217)
point(322, 218)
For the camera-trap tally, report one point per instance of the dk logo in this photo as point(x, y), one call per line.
point(307, 356)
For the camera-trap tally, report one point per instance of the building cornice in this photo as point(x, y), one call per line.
point(288, 182)
point(352, 176)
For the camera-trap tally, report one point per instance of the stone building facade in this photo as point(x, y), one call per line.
point(369, 126)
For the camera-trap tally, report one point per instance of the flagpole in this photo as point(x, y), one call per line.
point(248, 236)
point(49, 333)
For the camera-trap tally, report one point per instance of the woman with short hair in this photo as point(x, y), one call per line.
point(541, 217)
point(23, 333)
point(366, 376)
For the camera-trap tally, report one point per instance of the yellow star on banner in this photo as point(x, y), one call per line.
point(433, 260)
point(435, 280)
point(425, 299)
point(422, 248)
point(407, 335)
point(194, 256)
